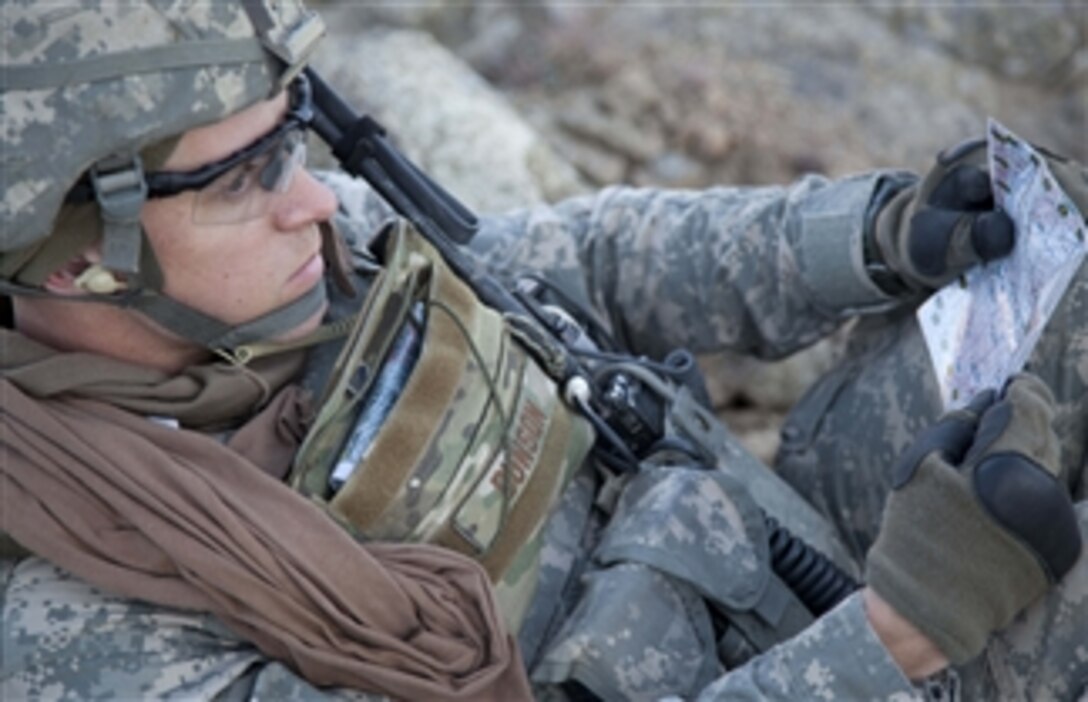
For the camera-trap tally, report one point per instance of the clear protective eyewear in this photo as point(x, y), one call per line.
point(246, 191)
point(242, 186)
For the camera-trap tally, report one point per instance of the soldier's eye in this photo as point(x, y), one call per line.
point(238, 181)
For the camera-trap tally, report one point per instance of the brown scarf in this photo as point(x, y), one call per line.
point(174, 517)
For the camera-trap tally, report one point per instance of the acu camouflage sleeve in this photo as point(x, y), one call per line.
point(765, 270)
point(63, 639)
point(839, 657)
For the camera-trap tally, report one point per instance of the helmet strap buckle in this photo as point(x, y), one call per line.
point(121, 190)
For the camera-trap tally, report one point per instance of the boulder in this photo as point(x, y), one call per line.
point(446, 118)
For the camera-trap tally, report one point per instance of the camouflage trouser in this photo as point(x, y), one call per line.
point(673, 551)
point(674, 583)
point(841, 440)
point(843, 437)
point(682, 547)
point(1042, 655)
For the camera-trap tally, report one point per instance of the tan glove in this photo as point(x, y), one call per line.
point(978, 524)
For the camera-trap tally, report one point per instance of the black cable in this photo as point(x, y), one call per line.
point(656, 366)
point(815, 579)
point(609, 434)
point(675, 443)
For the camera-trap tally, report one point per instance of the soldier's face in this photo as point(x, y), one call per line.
point(239, 271)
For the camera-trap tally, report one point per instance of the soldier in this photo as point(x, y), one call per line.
point(167, 260)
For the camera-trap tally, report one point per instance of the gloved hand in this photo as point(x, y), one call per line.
point(930, 232)
point(978, 524)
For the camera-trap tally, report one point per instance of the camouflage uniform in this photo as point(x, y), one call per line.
point(778, 269)
point(840, 441)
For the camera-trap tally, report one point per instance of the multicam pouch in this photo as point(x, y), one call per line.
point(478, 444)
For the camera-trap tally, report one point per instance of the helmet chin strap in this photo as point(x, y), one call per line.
point(256, 336)
point(242, 343)
point(217, 335)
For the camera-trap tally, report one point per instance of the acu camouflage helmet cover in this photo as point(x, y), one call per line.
point(83, 81)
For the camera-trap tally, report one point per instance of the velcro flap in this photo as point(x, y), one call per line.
point(635, 635)
point(700, 526)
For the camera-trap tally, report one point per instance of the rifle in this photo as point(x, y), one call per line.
point(637, 407)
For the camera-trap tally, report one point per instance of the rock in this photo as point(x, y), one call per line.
point(598, 164)
point(757, 429)
point(845, 87)
point(447, 119)
point(584, 117)
point(742, 381)
point(1044, 43)
point(673, 169)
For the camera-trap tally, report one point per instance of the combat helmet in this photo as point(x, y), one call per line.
point(90, 92)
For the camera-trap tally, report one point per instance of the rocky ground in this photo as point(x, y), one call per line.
point(512, 103)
